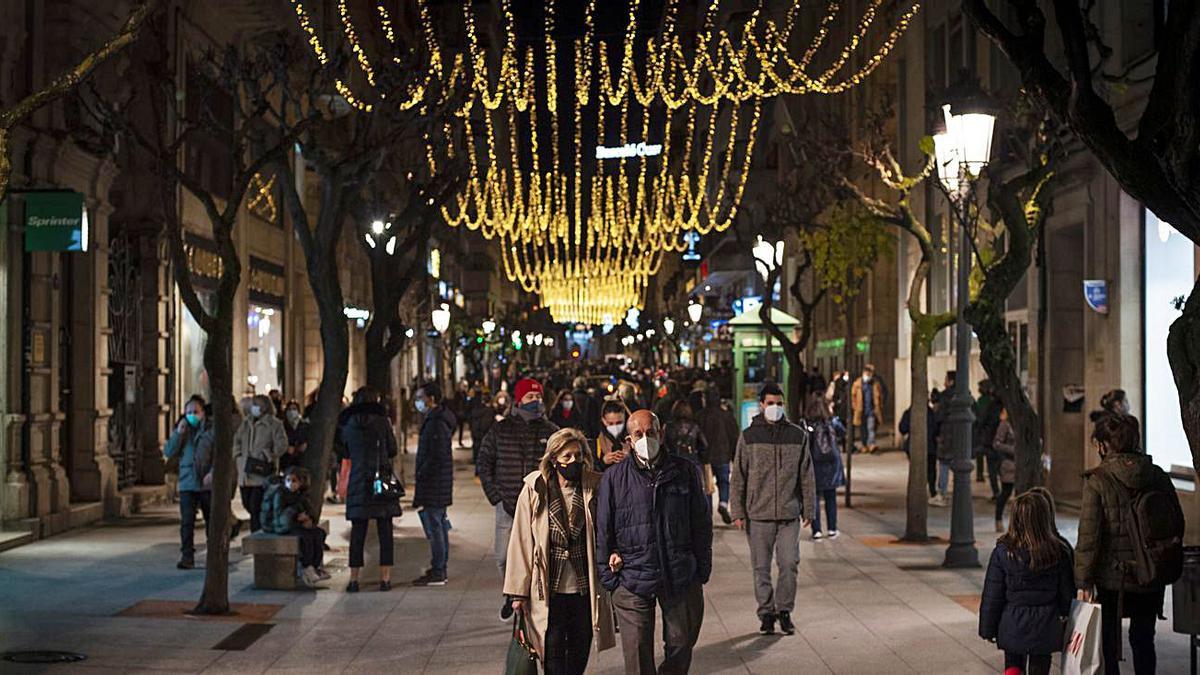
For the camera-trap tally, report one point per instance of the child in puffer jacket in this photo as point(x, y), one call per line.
point(291, 514)
point(1028, 589)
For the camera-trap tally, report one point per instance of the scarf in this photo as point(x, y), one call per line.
point(568, 541)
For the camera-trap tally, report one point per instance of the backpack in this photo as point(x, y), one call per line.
point(1152, 520)
point(267, 515)
point(826, 445)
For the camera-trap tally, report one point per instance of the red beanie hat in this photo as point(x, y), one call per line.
point(525, 386)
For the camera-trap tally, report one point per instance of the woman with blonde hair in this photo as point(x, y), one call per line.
point(551, 569)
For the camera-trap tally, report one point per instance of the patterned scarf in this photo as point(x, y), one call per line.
point(568, 541)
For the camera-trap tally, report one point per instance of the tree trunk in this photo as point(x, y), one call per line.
point(218, 361)
point(1183, 352)
point(916, 523)
point(335, 351)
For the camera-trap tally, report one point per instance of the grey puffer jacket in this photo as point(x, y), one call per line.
point(772, 476)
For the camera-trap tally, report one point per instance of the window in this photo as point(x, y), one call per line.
point(207, 155)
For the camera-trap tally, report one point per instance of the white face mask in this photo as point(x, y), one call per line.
point(255, 411)
point(615, 430)
point(567, 405)
point(646, 447)
point(773, 413)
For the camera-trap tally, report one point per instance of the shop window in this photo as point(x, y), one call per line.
point(194, 378)
point(265, 332)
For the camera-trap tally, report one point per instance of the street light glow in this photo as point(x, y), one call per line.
point(488, 326)
point(441, 318)
point(694, 311)
point(669, 326)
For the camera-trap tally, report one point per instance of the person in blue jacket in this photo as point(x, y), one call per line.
point(193, 441)
point(654, 546)
point(1028, 589)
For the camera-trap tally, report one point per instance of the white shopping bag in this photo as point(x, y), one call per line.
point(1081, 647)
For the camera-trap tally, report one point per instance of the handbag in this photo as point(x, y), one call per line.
point(521, 659)
point(259, 467)
point(1081, 644)
point(385, 487)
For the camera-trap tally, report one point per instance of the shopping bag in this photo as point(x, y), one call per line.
point(1081, 645)
point(343, 479)
point(522, 659)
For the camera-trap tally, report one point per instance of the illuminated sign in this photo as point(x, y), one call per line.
point(627, 150)
point(693, 240)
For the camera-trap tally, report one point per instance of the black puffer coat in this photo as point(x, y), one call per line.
point(659, 521)
point(511, 449)
point(367, 438)
point(435, 462)
point(1021, 609)
point(721, 431)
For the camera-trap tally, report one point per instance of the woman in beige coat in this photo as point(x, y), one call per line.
point(551, 571)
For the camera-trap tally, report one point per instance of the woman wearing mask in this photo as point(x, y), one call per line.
point(297, 434)
point(610, 446)
point(564, 414)
point(369, 442)
point(1005, 446)
point(551, 568)
point(258, 444)
point(192, 440)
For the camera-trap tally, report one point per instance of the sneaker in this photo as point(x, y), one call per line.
point(767, 627)
point(938, 501)
point(833, 534)
point(185, 563)
point(385, 586)
point(309, 577)
point(723, 509)
point(430, 580)
point(817, 536)
point(785, 623)
point(352, 587)
point(506, 610)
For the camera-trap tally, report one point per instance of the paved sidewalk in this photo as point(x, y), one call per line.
point(865, 605)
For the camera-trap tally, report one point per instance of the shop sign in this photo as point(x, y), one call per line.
point(268, 283)
point(1095, 292)
point(628, 150)
point(55, 221)
point(691, 255)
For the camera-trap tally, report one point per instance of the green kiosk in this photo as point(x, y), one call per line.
point(757, 358)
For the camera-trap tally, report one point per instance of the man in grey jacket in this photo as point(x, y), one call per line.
point(772, 496)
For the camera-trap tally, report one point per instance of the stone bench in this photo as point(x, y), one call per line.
point(275, 557)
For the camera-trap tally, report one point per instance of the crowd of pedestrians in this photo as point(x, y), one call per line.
point(604, 505)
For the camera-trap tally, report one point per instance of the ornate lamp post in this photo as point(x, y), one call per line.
point(962, 151)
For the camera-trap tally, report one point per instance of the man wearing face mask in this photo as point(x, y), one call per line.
point(773, 494)
point(866, 402)
point(257, 446)
point(654, 546)
point(511, 449)
point(434, 480)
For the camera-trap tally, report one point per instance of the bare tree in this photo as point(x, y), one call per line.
point(1157, 165)
point(11, 117)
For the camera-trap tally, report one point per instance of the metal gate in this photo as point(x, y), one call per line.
point(124, 358)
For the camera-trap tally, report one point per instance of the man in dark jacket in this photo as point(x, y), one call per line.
point(654, 544)
point(434, 480)
point(773, 495)
point(720, 429)
point(512, 448)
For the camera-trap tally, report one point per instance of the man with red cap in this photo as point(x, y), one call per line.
point(511, 449)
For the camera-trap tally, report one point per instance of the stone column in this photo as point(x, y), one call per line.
point(157, 398)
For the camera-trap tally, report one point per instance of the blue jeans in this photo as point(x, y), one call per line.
point(866, 430)
point(943, 477)
point(830, 498)
point(721, 475)
point(437, 531)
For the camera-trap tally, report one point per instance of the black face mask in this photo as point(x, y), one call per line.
point(571, 472)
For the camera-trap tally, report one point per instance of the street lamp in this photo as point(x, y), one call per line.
point(694, 310)
point(441, 318)
point(767, 257)
point(669, 326)
point(488, 326)
point(962, 150)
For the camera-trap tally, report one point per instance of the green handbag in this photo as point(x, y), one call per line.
point(522, 659)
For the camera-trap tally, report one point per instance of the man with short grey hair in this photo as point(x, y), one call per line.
point(773, 494)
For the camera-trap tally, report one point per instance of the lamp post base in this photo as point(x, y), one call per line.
point(960, 556)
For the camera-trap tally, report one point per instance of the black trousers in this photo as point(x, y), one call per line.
point(1006, 490)
point(358, 539)
point(189, 501)
point(252, 498)
point(568, 634)
point(931, 473)
point(1142, 610)
point(1038, 664)
point(312, 545)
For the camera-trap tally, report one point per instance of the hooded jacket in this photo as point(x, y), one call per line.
point(527, 572)
point(660, 522)
point(511, 449)
point(368, 441)
point(435, 462)
point(1023, 609)
point(772, 476)
point(1103, 543)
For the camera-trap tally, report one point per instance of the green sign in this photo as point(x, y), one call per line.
point(55, 221)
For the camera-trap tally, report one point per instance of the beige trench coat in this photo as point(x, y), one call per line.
point(528, 574)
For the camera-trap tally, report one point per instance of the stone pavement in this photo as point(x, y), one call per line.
point(865, 605)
